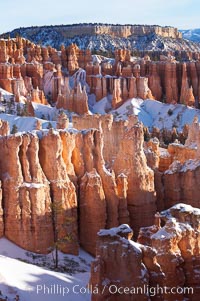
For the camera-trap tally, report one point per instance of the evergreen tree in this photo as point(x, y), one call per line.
point(14, 129)
point(57, 212)
point(19, 110)
point(25, 110)
point(49, 126)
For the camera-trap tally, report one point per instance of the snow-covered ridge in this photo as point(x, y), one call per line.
point(150, 112)
point(191, 34)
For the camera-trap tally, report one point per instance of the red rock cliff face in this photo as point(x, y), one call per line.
point(48, 173)
point(1, 216)
point(74, 100)
point(177, 246)
point(122, 149)
point(187, 96)
point(88, 155)
point(166, 80)
point(179, 182)
point(63, 192)
point(112, 132)
point(42, 186)
point(166, 260)
point(122, 263)
point(92, 209)
point(179, 171)
point(39, 199)
point(131, 161)
point(27, 212)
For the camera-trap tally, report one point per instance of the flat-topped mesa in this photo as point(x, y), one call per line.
point(123, 31)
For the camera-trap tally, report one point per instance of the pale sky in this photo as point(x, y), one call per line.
point(184, 14)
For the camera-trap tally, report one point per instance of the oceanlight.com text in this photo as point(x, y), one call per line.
point(56, 289)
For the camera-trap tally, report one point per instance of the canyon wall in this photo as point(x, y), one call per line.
point(100, 169)
point(49, 174)
point(67, 77)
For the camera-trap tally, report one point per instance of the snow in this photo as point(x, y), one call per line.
point(45, 111)
point(32, 283)
point(191, 34)
point(114, 231)
point(33, 185)
point(183, 208)
point(124, 228)
point(151, 113)
point(174, 229)
point(161, 118)
point(164, 152)
point(173, 168)
point(102, 106)
point(25, 124)
point(188, 165)
point(102, 59)
point(162, 234)
point(136, 246)
point(159, 112)
point(5, 94)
